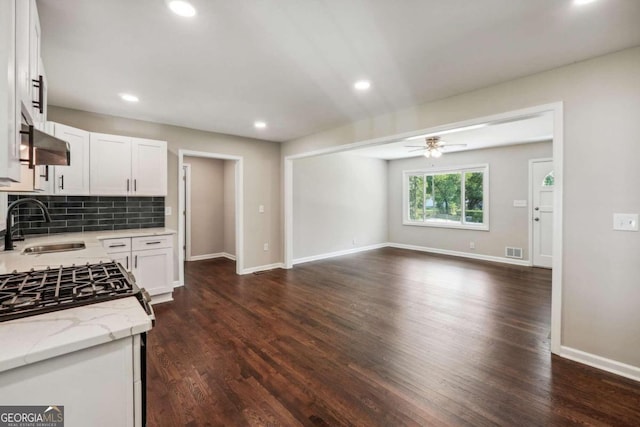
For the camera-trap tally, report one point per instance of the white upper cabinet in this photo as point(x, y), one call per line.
point(23, 56)
point(73, 179)
point(149, 167)
point(36, 74)
point(22, 88)
point(126, 166)
point(10, 107)
point(110, 165)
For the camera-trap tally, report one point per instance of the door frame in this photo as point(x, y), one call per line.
point(555, 108)
point(530, 206)
point(186, 218)
point(239, 198)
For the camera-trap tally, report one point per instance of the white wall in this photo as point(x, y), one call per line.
point(601, 98)
point(336, 199)
point(508, 181)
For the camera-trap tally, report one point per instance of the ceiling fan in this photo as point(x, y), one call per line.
point(433, 146)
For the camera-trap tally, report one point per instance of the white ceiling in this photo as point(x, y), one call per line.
point(527, 130)
point(292, 63)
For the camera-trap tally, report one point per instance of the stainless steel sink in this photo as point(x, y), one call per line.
point(54, 247)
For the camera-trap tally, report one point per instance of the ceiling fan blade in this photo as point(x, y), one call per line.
point(452, 145)
point(418, 149)
point(414, 146)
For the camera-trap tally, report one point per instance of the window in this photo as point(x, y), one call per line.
point(456, 198)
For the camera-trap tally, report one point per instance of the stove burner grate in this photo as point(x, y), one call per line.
point(39, 291)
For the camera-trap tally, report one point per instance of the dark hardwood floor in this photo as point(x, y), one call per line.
point(383, 338)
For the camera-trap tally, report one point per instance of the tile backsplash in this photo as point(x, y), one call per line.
point(88, 213)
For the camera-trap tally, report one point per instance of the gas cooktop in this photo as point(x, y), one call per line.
point(39, 291)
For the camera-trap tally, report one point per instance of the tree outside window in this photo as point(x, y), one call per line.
point(453, 198)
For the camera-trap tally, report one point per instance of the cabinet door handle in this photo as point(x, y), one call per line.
point(29, 131)
point(135, 261)
point(135, 185)
point(128, 185)
point(39, 84)
point(118, 245)
point(153, 243)
point(62, 182)
point(127, 261)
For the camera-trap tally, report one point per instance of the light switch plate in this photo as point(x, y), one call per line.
point(519, 203)
point(625, 222)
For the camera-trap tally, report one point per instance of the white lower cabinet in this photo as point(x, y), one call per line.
point(149, 258)
point(99, 386)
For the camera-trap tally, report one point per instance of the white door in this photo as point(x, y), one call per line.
point(149, 167)
point(110, 165)
point(542, 212)
point(73, 179)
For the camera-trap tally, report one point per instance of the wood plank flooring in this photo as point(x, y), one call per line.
point(383, 338)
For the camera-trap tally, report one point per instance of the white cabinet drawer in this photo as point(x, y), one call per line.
point(151, 242)
point(113, 246)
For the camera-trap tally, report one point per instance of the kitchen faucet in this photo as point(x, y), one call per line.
point(8, 241)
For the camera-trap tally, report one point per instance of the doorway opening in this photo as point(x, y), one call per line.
point(210, 208)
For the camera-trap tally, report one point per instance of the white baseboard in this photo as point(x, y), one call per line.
point(212, 256)
point(177, 284)
point(339, 253)
point(481, 257)
point(262, 268)
point(609, 365)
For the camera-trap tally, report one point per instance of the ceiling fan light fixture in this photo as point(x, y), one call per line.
point(436, 153)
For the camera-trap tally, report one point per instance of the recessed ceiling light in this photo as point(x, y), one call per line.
point(182, 8)
point(128, 97)
point(362, 85)
point(259, 125)
point(582, 2)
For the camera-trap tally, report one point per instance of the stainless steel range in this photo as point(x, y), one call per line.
point(41, 291)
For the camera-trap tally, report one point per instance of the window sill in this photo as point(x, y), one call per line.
point(483, 227)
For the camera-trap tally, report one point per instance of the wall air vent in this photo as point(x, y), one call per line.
point(513, 252)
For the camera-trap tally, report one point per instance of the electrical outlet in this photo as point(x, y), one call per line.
point(266, 246)
point(625, 222)
point(472, 245)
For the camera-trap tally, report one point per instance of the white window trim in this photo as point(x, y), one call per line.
point(461, 169)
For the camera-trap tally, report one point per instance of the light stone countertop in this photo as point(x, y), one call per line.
point(35, 338)
point(15, 260)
